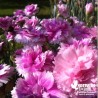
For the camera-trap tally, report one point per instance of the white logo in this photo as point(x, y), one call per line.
point(84, 89)
point(75, 85)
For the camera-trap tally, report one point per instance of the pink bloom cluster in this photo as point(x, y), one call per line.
point(26, 29)
point(5, 73)
point(55, 53)
point(49, 73)
point(32, 59)
point(75, 62)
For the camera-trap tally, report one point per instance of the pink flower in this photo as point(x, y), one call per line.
point(63, 9)
point(89, 8)
point(26, 36)
point(23, 36)
point(31, 9)
point(19, 21)
point(38, 85)
point(75, 62)
point(46, 80)
point(32, 22)
point(24, 88)
point(54, 93)
point(49, 57)
point(5, 72)
point(93, 31)
point(30, 60)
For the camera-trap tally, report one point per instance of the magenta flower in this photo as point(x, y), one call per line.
point(23, 36)
point(5, 22)
point(56, 30)
point(5, 73)
point(89, 8)
point(24, 88)
point(79, 29)
point(19, 21)
point(32, 22)
point(34, 36)
point(38, 85)
point(18, 13)
point(30, 60)
point(76, 21)
point(31, 9)
point(75, 62)
point(49, 57)
point(9, 36)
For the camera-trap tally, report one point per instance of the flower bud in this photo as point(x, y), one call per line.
point(63, 9)
point(89, 8)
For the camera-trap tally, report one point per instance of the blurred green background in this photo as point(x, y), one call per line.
point(7, 7)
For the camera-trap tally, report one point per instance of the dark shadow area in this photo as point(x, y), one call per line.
point(21, 3)
point(8, 6)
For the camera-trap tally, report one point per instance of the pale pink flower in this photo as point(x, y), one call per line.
point(75, 62)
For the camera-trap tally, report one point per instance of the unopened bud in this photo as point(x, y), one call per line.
point(89, 8)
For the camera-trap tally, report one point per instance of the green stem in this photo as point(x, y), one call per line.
point(51, 8)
